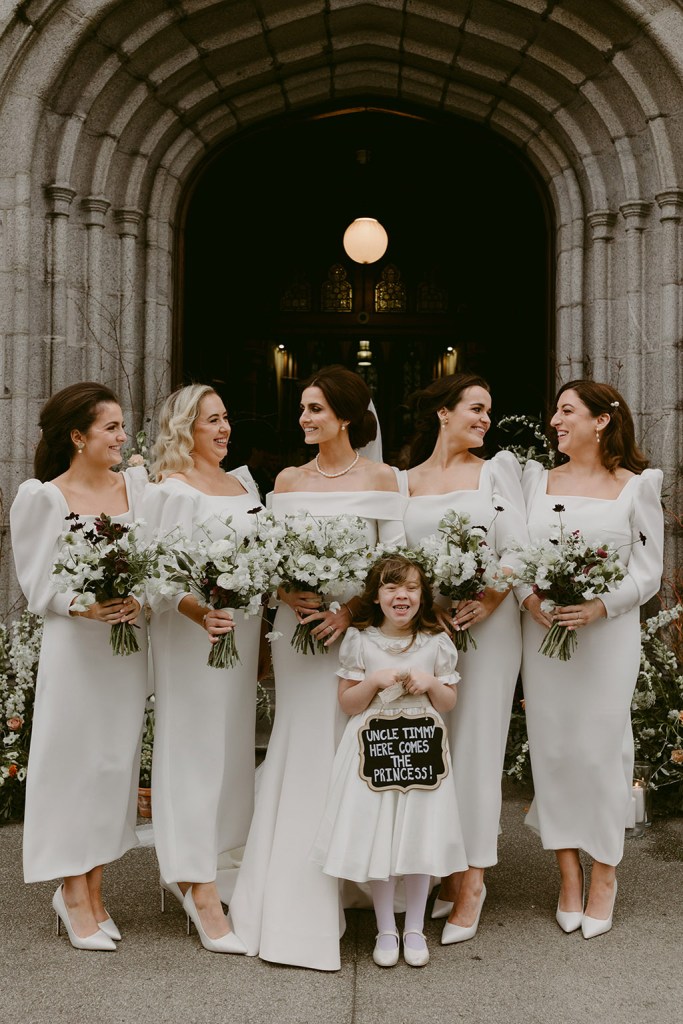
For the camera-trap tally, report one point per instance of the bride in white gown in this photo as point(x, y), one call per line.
point(284, 908)
point(578, 711)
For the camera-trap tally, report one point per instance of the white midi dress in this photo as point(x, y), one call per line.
point(365, 834)
point(478, 725)
point(82, 780)
point(578, 711)
point(203, 763)
point(284, 907)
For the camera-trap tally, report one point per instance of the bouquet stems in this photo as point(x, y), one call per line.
point(463, 639)
point(559, 642)
point(304, 642)
point(123, 639)
point(224, 652)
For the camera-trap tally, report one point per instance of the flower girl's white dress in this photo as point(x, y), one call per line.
point(578, 711)
point(82, 781)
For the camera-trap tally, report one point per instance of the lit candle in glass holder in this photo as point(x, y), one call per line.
point(639, 799)
point(641, 793)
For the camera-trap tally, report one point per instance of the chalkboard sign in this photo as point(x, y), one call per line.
point(403, 752)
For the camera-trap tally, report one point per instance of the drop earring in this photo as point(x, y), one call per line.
point(597, 435)
point(79, 447)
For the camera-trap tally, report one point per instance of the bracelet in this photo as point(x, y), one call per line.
point(204, 619)
point(349, 611)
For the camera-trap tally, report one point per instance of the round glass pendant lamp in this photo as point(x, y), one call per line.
point(365, 240)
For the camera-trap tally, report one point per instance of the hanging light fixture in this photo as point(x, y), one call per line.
point(365, 240)
point(364, 355)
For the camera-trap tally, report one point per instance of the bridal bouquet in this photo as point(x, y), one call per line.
point(104, 561)
point(327, 555)
point(462, 563)
point(232, 572)
point(566, 570)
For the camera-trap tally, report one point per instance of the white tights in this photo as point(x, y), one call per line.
point(417, 891)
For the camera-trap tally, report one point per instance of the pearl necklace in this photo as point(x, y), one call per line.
point(331, 476)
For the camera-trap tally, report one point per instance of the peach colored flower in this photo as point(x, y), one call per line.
point(13, 770)
point(136, 460)
point(523, 704)
point(15, 723)
point(680, 716)
point(677, 756)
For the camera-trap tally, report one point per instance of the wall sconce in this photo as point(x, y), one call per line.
point(365, 240)
point(364, 355)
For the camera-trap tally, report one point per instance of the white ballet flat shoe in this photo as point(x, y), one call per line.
point(109, 928)
point(456, 933)
point(174, 890)
point(97, 941)
point(386, 957)
point(441, 908)
point(229, 943)
point(570, 920)
point(415, 957)
point(592, 926)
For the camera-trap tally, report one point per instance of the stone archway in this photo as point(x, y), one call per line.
point(109, 106)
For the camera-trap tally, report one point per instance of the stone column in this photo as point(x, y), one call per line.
point(60, 197)
point(671, 209)
point(601, 223)
point(637, 342)
point(127, 223)
point(98, 361)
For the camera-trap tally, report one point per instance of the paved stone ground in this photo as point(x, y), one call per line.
point(520, 969)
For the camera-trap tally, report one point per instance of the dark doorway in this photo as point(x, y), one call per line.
point(469, 242)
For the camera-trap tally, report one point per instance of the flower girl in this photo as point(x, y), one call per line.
point(391, 807)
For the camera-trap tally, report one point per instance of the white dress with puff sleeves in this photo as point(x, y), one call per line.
point(578, 711)
point(82, 781)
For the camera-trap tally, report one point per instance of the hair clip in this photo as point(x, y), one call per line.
point(615, 405)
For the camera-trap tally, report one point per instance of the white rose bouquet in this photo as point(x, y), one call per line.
point(104, 561)
point(231, 572)
point(330, 555)
point(462, 563)
point(566, 570)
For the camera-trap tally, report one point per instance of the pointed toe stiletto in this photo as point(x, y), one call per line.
point(570, 920)
point(174, 890)
point(441, 908)
point(386, 957)
point(109, 928)
point(592, 926)
point(415, 957)
point(229, 943)
point(97, 941)
point(456, 933)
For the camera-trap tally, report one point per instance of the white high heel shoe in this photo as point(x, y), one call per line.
point(174, 890)
point(441, 908)
point(456, 933)
point(592, 926)
point(570, 920)
point(97, 941)
point(229, 943)
point(109, 928)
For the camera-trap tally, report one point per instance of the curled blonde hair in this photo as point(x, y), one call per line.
point(175, 440)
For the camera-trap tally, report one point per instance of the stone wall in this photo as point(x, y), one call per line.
point(108, 108)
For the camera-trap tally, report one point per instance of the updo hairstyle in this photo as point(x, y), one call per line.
point(175, 438)
point(442, 393)
point(618, 439)
point(72, 408)
point(348, 396)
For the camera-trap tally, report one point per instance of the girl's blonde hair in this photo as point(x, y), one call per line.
point(175, 440)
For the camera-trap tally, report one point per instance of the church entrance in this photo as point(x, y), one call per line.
point(267, 293)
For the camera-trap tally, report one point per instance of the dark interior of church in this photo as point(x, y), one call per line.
point(467, 270)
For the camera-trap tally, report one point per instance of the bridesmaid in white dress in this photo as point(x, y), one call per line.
point(203, 765)
point(578, 711)
point(284, 907)
point(81, 786)
point(453, 417)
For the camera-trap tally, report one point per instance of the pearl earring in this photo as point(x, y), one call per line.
point(80, 446)
point(597, 435)
point(343, 426)
point(443, 424)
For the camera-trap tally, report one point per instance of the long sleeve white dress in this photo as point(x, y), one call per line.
point(82, 780)
point(284, 908)
point(365, 834)
point(479, 722)
point(578, 711)
point(203, 763)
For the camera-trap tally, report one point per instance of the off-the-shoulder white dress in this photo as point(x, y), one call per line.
point(203, 765)
point(284, 907)
point(480, 720)
point(365, 834)
point(81, 786)
point(578, 711)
